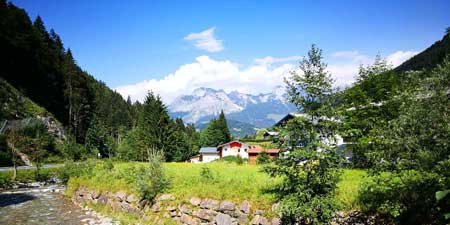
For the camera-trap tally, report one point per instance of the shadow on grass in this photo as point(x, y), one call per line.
point(14, 198)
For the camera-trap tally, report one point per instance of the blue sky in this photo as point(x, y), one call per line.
point(133, 45)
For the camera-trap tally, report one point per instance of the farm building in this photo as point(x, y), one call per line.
point(208, 154)
point(255, 150)
point(270, 135)
point(233, 148)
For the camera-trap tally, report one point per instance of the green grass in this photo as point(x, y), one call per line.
point(348, 188)
point(24, 176)
point(223, 181)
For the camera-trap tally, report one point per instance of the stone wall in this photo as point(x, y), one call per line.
point(193, 211)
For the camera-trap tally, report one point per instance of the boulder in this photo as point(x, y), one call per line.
point(210, 204)
point(130, 198)
point(121, 196)
point(171, 208)
point(185, 209)
point(223, 219)
point(227, 206)
point(95, 194)
point(186, 219)
point(204, 214)
point(276, 221)
point(259, 212)
point(245, 207)
point(102, 199)
point(156, 207)
point(195, 201)
point(166, 197)
point(259, 220)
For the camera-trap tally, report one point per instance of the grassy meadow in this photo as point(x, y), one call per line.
point(214, 180)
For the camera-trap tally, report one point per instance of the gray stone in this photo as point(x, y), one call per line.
point(276, 221)
point(210, 204)
point(223, 219)
point(121, 195)
point(259, 212)
point(186, 219)
point(245, 207)
point(171, 208)
point(95, 194)
point(204, 214)
point(156, 207)
point(259, 220)
point(242, 218)
point(227, 206)
point(173, 213)
point(195, 201)
point(131, 198)
point(166, 197)
point(102, 199)
point(185, 209)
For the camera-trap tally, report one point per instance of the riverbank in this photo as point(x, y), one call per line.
point(45, 205)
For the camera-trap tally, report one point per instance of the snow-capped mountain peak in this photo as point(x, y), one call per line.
point(261, 110)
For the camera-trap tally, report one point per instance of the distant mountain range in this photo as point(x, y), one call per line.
point(245, 112)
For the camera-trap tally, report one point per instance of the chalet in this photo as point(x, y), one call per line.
point(234, 148)
point(208, 154)
point(255, 150)
point(270, 135)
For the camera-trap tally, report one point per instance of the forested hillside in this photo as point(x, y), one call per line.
point(35, 61)
point(429, 58)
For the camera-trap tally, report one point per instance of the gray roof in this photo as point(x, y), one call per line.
point(208, 150)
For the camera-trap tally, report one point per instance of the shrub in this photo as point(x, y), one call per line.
point(232, 159)
point(263, 158)
point(150, 179)
point(407, 196)
point(206, 174)
point(76, 169)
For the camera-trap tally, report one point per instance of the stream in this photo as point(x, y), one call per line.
point(44, 205)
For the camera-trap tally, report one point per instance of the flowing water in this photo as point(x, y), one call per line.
point(44, 205)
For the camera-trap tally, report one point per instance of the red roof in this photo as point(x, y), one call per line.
point(259, 149)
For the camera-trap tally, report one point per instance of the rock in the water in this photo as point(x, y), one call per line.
point(245, 207)
point(227, 206)
point(195, 201)
point(223, 219)
point(259, 220)
point(166, 197)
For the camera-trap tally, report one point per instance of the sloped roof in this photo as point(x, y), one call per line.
point(230, 143)
point(208, 150)
point(259, 149)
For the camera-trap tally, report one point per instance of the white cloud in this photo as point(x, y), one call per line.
point(399, 57)
point(206, 40)
point(346, 64)
point(270, 60)
point(207, 72)
point(259, 77)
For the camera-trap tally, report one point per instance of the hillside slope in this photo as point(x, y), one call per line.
point(429, 58)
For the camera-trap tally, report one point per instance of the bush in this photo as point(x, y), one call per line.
point(263, 158)
point(407, 196)
point(206, 174)
point(149, 180)
point(76, 169)
point(232, 159)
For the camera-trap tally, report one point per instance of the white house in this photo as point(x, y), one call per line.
point(208, 154)
point(233, 148)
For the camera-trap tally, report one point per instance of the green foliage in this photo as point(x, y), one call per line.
point(216, 133)
point(413, 149)
point(232, 159)
point(404, 195)
point(76, 169)
point(206, 174)
point(309, 171)
point(74, 151)
point(263, 158)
